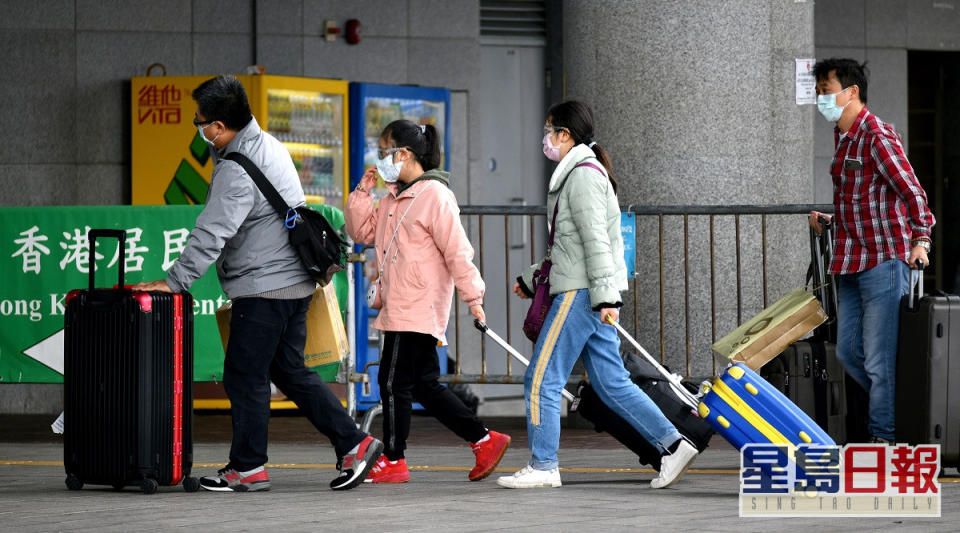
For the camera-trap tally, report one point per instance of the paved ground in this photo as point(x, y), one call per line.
point(604, 490)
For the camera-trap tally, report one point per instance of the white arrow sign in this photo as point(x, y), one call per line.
point(49, 351)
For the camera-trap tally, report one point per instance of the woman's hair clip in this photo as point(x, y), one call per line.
point(591, 145)
point(423, 129)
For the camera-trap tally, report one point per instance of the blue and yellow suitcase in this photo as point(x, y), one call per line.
point(746, 409)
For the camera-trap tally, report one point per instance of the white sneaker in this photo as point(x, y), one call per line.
point(531, 478)
point(674, 465)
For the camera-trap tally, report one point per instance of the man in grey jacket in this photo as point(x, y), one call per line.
point(270, 289)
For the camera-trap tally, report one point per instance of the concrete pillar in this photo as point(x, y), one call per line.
point(694, 100)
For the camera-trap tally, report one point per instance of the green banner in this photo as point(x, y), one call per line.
point(44, 253)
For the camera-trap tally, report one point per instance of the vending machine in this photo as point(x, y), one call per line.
point(372, 107)
point(171, 164)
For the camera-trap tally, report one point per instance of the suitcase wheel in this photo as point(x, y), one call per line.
point(149, 486)
point(74, 483)
point(191, 484)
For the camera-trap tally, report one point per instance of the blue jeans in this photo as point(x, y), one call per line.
point(573, 330)
point(868, 320)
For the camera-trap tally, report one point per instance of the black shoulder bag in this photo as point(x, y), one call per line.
point(321, 248)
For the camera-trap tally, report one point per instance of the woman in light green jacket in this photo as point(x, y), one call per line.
point(587, 276)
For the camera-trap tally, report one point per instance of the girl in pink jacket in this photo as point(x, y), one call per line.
point(422, 252)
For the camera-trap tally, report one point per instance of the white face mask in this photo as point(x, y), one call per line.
point(389, 171)
point(204, 137)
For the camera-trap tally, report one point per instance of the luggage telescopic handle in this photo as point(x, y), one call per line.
point(919, 272)
point(92, 236)
point(512, 351)
point(686, 396)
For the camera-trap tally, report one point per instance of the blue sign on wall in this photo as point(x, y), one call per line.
point(628, 229)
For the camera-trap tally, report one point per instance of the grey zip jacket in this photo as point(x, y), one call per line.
point(238, 228)
point(587, 246)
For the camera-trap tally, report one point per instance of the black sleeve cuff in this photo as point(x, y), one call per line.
point(524, 288)
point(598, 307)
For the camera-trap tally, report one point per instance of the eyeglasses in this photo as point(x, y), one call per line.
point(547, 130)
point(198, 122)
point(384, 152)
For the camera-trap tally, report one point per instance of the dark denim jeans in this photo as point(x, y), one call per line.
point(266, 344)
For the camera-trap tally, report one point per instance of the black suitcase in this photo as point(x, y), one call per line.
point(604, 419)
point(808, 373)
point(928, 373)
point(128, 385)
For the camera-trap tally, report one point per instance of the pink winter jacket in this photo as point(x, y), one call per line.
point(430, 254)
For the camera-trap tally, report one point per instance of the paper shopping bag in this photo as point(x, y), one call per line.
point(764, 336)
point(326, 344)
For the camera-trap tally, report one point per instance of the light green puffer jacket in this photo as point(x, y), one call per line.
point(587, 248)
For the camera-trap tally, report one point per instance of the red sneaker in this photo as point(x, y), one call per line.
point(386, 472)
point(489, 453)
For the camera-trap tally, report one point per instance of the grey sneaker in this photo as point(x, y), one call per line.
point(353, 469)
point(228, 479)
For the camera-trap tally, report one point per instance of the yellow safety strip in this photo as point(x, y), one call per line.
point(425, 468)
point(213, 404)
point(422, 468)
point(545, 354)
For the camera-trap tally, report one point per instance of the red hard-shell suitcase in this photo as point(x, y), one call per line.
point(128, 385)
point(928, 372)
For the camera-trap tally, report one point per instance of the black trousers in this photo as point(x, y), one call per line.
point(409, 368)
point(267, 337)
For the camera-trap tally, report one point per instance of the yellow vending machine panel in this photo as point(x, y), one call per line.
point(171, 164)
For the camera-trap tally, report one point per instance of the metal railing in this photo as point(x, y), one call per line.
point(476, 218)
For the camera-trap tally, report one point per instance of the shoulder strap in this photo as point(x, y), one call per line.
point(591, 165)
point(266, 188)
point(395, 231)
point(553, 223)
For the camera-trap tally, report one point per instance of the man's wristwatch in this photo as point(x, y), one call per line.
point(922, 242)
point(360, 188)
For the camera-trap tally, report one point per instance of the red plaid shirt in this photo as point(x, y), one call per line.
point(879, 204)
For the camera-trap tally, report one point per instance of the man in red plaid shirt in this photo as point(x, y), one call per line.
point(882, 229)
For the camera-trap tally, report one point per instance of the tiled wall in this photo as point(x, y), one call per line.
point(879, 32)
point(66, 66)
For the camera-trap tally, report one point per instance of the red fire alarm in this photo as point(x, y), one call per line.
point(352, 34)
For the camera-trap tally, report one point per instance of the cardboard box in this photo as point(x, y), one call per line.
point(764, 336)
point(326, 344)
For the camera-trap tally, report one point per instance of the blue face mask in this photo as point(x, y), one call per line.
point(389, 170)
point(827, 105)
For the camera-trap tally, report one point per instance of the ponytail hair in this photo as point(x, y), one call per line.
point(422, 140)
point(604, 160)
point(577, 118)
